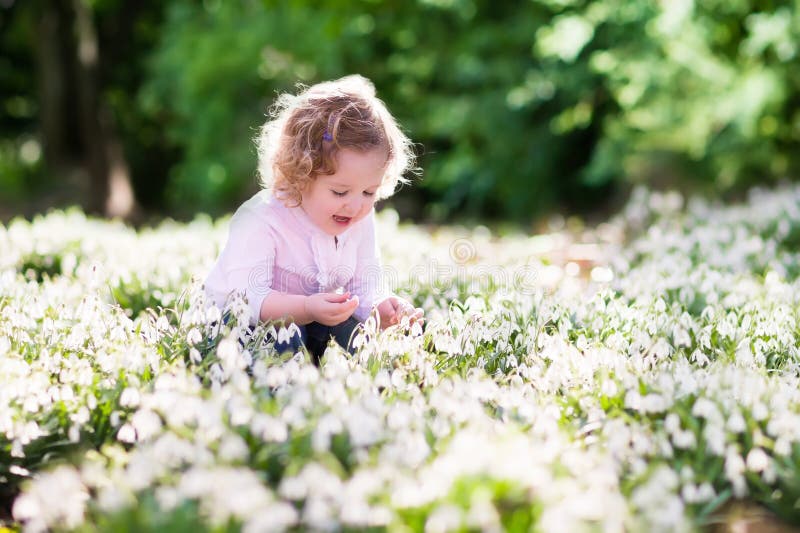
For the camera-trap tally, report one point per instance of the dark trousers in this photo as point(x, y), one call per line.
point(315, 336)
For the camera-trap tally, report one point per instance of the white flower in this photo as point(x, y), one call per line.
point(277, 516)
point(225, 492)
point(162, 323)
point(736, 423)
point(757, 460)
point(672, 423)
point(56, 499)
point(783, 446)
point(233, 448)
point(112, 498)
point(734, 471)
point(213, 314)
point(269, 428)
point(130, 397)
point(194, 336)
point(444, 518)
point(146, 423)
point(327, 426)
point(684, 439)
point(230, 355)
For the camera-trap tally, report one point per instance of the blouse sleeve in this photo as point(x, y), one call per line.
point(246, 263)
point(367, 281)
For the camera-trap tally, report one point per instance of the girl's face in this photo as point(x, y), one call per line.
point(336, 201)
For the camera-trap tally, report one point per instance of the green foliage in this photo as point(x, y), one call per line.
point(184, 518)
point(711, 93)
point(212, 79)
point(517, 106)
point(20, 147)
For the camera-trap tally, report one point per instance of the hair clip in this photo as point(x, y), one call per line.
point(327, 137)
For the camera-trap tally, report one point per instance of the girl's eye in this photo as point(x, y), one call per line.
point(369, 193)
point(337, 193)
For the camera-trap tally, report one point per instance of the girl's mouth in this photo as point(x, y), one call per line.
point(341, 220)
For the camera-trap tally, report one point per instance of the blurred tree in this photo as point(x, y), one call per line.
point(704, 90)
point(20, 148)
point(73, 87)
point(76, 124)
point(521, 107)
point(215, 72)
point(444, 68)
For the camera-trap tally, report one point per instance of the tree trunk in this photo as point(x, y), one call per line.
point(110, 190)
point(52, 86)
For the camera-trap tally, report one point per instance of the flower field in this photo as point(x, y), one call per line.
point(639, 377)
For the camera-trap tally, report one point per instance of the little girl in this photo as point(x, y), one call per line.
point(304, 249)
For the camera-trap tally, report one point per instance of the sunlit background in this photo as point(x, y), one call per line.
point(520, 109)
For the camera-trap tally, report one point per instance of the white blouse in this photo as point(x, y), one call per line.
point(272, 247)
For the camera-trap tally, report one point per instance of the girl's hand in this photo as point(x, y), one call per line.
point(330, 308)
point(392, 310)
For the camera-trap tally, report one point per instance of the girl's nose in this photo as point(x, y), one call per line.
point(355, 205)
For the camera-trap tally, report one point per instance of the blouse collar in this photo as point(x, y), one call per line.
point(305, 222)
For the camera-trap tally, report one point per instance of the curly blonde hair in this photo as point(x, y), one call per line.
point(306, 131)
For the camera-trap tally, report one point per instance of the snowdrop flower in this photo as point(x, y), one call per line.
point(408, 448)
point(757, 460)
point(57, 498)
point(714, 436)
point(162, 323)
point(146, 423)
point(225, 492)
point(444, 518)
point(277, 516)
point(126, 433)
point(734, 471)
point(684, 439)
point(269, 428)
point(782, 446)
point(736, 422)
point(664, 509)
point(194, 336)
point(213, 314)
point(364, 428)
point(327, 426)
point(130, 397)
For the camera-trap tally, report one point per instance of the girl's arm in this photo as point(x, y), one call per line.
point(245, 263)
point(326, 308)
point(277, 305)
